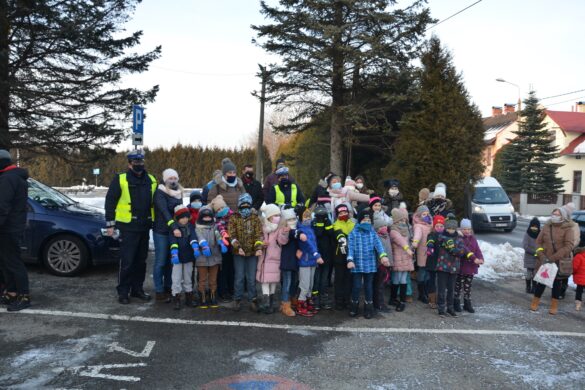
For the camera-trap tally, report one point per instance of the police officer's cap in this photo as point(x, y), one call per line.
point(134, 155)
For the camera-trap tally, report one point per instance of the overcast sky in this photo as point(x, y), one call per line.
point(208, 64)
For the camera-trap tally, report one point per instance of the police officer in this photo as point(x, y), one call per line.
point(285, 192)
point(130, 208)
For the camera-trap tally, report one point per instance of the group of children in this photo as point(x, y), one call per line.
point(365, 251)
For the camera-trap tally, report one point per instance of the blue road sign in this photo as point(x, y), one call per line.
point(137, 119)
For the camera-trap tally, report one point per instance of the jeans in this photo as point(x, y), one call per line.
point(446, 282)
point(367, 280)
point(162, 268)
point(431, 282)
point(133, 253)
point(579, 293)
point(421, 275)
point(11, 265)
point(321, 278)
point(245, 268)
point(288, 288)
point(556, 290)
point(399, 277)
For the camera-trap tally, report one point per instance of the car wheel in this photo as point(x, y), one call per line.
point(65, 255)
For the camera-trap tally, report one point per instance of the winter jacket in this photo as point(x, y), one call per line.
point(140, 188)
point(563, 237)
point(230, 194)
point(245, 233)
point(579, 267)
point(288, 253)
point(472, 252)
point(164, 209)
point(347, 197)
point(270, 181)
point(310, 252)
point(341, 229)
point(419, 239)
point(209, 186)
point(183, 243)
point(402, 261)
point(439, 206)
point(451, 249)
point(529, 245)
point(287, 192)
point(208, 233)
point(432, 242)
point(393, 202)
point(268, 269)
point(364, 249)
point(387, 243)
point(254, 188)
point(13, 199)
point(324, 235)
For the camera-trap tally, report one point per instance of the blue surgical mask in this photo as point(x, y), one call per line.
point(196, 205)
point(336, 186)
point(223, 212)
point(427, 219)
point(245, 212)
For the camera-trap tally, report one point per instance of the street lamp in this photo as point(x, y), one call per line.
point(501, 80)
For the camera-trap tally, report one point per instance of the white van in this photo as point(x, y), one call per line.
point(491, 207)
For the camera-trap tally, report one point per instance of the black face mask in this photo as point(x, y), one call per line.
point(230, 179)
point(138, 169)
point(285, 182)
point(249, 175)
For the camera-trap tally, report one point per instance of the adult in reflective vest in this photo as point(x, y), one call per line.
point(285, 192)
point(129, 208)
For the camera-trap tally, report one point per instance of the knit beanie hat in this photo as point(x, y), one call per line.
point(205, 211)
point(168, 173)
point(374, 199)
point(423, 194)
point(195, 195)
point(270, 210)
point(349, 182)
point(440, 190)
point(282, 171)
point(217, 203)
point(391, 183)
point(227, 166)
point(363, 213)
point(287, 214)
point(399, 213)
point(340, 208)
point(438, 219)
point(244, 199)
point(465, 224)
point(379, 220)
point(451, 224)
point(181, 212)
point(422, 209)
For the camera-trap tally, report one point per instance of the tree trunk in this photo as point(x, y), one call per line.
point(336, 143)
point(4, 82)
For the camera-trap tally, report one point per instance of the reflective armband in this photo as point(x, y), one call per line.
point(258, 243)
point(170, 222)
point(538, 250)
point(175, 246)
point(382, 255)
point(469, 254)
point(415, 241)
point(406, 247)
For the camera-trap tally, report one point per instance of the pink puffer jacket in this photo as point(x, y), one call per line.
point(421, 232)
point(402, 261)
point(268, 270)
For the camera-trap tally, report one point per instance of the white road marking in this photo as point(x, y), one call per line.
point(95, 371)
point(316, 328)
point(115, 347)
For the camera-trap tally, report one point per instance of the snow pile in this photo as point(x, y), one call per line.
point(501, 260)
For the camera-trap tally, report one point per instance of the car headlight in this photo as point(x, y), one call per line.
point(478, 210)
point(512, 209)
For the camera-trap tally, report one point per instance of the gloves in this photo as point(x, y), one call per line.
point(430, 251)
point(223, 247)
point(343, 245)
point(195, 247)
point(175, 256)
point(225, 238)
point(449, 244)
point(205, 249)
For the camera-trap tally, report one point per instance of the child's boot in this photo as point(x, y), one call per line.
point(177, 302)
point(294, 301)
point(302, 309)
point(401, 304)
point(393, 295)
point(528, 286)
point(311, 305)
point(264, 304)
point(422, 293)
point(433, 300)
point(578, 305)
point(554, 306)
point(316, 300)
point(369, 310)
point(354, 308)
point(457, 305)
point(286, 309)
point(213, 300)
point(204, 301)
point(254, 305)
point(270, 308)
point(534, 303)
point(467, 306)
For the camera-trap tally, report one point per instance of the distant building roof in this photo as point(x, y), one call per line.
point(577, 146)
point(568, 121)
point(494, 124)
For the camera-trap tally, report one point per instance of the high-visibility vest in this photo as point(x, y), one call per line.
point(280, 195)
point(124, 208)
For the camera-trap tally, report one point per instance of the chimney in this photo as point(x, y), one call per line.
point(580, 107)
point(496, 111)
point(509, 108)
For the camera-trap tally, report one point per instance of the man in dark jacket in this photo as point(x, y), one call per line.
point(129, 207)
point(253, 187)
point(285, 192)
point(13, 203)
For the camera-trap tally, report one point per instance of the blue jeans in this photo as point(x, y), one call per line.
point(162, 268)
point(245, 268)
point(367, 280)
point(431, 281)
point(421, 275)
point(399, 277)
point(289, 287)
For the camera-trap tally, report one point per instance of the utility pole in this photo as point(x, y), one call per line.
point(260, 148)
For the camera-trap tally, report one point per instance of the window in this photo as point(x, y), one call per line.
point(577, 182)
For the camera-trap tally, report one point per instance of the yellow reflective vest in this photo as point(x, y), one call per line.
point(280, 195)
point(124, 208)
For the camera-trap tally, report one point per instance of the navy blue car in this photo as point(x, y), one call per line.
point(64, 235)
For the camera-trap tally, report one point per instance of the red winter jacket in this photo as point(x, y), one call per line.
point(579, 267)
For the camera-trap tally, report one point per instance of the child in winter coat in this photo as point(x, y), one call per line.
point(432, 255)
point(268, 271)
point(365, 249)
point(579, 276)
point(400, 236)
point(184, 250)
point(469, 266)
point(208, 263)
point(529, 244)
point(382, 273)
point(378, 211)
point(451, 249)
point(422, 226)
point(289, 267)
point(245, 231)
point(195, 204)
point(308, 256)
point(342, 226)
point(324, 234)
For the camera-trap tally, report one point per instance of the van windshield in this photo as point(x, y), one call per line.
point(490, 195)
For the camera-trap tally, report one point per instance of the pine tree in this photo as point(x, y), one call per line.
point(531, 153)
point(443, 141)
point(327, 47)
point(506, 170)
point(61, 63)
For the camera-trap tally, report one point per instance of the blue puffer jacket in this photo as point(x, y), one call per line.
point(363, 244)
point(288, 254)
point(309, 247)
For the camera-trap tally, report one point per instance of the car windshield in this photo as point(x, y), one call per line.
point(46, 195)
point(490, 195)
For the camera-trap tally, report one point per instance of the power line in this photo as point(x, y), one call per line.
point(562, 94)
point(566, 101)
point(202, 74)
point(455, 14)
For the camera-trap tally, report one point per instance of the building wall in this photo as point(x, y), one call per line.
point(502, 138)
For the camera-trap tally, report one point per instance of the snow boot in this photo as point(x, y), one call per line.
point(354, 307)
point(213, 300)
point(368, 310)
point(457, 305)
point(528, 286)
point(270, 308)
point(204, 304)
point(190, 300)
point(302, 309)
point(237, 305)
point(422, 293)
point(177, 302)
point(433, 300)
point(441, 313)
point(393, 295)
point(554, 306)
point(402, 305)
point(294, 301)
point(326, 302)
point(20, 303)
point(578, 305)
point(316, 300)
point(467, 306)
point(452, 312)
point(534, 304)
point(254, 305)
point(311, 305)
point(264, 304)
point(286, 309)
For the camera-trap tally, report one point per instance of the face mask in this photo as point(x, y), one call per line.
point(172, 184)
point(383, 230)
point(359, 186)
point(223, 212)
point(291, 224)
point(439, 229)
point(366, 222)
point(245, 212)
point(230, 179)
point(284, 182)
point(344, 217)
point(196, 205)
point(393, 192)
point(138, 168)
point(336, 186)
point(427, 219)
point(275, 220)
point(249, 175)
point(556, 219)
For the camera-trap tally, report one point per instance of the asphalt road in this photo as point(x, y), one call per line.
point(500, 237)
point(77, 337)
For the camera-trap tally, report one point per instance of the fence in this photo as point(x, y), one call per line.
point(544, 204)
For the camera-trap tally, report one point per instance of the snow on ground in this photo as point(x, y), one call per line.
point(501, 260)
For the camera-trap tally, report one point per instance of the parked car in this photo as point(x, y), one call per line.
point(579, 218)
point(491, 207)
point(64, 235)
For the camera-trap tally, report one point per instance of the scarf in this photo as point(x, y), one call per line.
point(402, 228)
point(269, 227)
point(178, 194)
point(235, 183)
